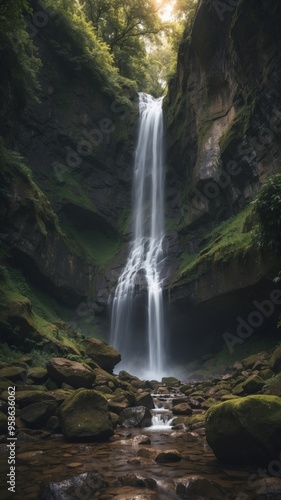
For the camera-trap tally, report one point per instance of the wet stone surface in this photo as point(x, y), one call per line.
point(116, 468)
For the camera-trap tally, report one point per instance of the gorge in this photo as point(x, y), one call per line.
point(198, 254)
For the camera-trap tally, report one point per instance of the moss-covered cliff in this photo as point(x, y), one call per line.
point(223, 132)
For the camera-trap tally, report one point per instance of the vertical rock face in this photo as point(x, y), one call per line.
point(223, 116)
point(223, 111)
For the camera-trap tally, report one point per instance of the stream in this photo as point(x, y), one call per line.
point(54, 459)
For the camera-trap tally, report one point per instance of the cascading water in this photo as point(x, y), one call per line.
point(143, 269)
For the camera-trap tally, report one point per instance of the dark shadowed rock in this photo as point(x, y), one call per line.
point(138, 416)
point(37, 414)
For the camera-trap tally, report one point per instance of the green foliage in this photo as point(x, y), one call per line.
point(19, 59)
point(231, 238)
point(14, 173)
point(267, 206)
point(126, 26)
point(78, 45)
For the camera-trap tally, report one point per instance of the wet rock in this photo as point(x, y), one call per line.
point(85, 415)
point(102, 353)
point(245, 430)
point(71, 372)
point(145, 399)
point(138, 416)
point(138, 480)
point(198, 487)
point(82, 486)
point(141, 439)
point(131, 493)
point(182, 409)
point(37, 414)
point(167, 456)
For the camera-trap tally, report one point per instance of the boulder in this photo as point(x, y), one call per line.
point(85, 415)
point(37, 414)
point(182, 409)
point(121, 401)
point(37, 375)
point(145, 399)
point(14, 373)
point(26, 398)
point(253, 384)
point(198, 487)
point(138, 481)
point(245, 430)
point(170, 381)
point(82, 486)
point(138, 416)
point(71, 372)
point(102, 353)
point(275, 360)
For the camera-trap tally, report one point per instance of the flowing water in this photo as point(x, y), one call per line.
point(142, 271)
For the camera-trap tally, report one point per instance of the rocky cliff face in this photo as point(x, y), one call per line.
point(223, 123)
point(77, 137)
point(223, 131)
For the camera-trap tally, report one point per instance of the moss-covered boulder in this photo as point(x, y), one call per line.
point(14, 373)
point(102, 353)
point(245, 430)
point(85, 415)
point(38, 375)
point(71, 372)
point(275, 360)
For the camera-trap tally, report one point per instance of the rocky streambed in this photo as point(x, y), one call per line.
point(84, 433)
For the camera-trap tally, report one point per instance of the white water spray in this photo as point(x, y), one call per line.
point(144, 355)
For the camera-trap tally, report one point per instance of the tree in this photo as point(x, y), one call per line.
point(126, 26)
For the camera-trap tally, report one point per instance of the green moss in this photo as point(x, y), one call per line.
point(15, 176)
point(225, 241)
point(100, 247)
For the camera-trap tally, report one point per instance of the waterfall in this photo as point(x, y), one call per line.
point(139, 335)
